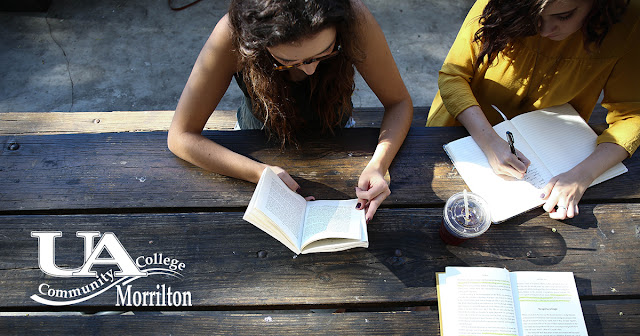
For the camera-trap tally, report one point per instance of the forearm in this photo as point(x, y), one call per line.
point(393, 130)
point(605, 156)
point(211, 156)
point(476, 123)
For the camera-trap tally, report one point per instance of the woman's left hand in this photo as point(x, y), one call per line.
point(563, 192)
point(372, 189)
point(566, 190)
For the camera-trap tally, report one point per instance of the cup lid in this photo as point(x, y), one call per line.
point(479, 216)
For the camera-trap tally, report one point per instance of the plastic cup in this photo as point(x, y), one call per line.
point(455, 229)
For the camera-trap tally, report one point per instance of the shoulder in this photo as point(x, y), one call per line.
point(631, 21)
point(366, 29)
point(220, 44)
point(222, 33)
point(625, 34)
point(362, 13)
point(471, 23)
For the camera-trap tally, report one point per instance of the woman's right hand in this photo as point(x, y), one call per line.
point(496, 149)
point(289, 181)
point(503, 162)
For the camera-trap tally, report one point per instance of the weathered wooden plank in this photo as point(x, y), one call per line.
point(230, 263)
point(136, 170)
point(612, 317)
point(357, 323)
point(23, 123)
point(601, 318)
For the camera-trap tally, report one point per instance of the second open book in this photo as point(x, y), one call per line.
point(494, 301)
point(555, 140)
point(305, 226)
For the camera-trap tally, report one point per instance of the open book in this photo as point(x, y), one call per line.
point(305, 226)
point(555, 140)
point(494, 301)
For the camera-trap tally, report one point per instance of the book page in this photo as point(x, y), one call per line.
point(282, 205)
point(332, 219)
point(548, 304)
point(475, 301)
point(561, 139)
point(474, 168)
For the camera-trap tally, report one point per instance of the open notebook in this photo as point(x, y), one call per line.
point(554, 139)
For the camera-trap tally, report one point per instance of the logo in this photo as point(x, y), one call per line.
point(128, 270)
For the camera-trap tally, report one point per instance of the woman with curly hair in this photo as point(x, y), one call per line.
point(295, 62)
point(533, 54)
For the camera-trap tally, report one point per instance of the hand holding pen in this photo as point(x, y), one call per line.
point(506, 159)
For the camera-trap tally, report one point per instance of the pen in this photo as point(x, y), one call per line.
point(510, 140)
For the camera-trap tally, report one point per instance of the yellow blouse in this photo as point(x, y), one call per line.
point(540, 73)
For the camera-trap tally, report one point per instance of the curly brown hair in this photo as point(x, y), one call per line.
point(505, 21)
point(258, 24)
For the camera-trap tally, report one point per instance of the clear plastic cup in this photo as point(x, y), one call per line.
point(455, 229)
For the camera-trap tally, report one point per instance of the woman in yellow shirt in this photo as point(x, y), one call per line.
point(532, 54)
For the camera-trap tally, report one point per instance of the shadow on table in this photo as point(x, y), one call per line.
point(589, 308)
point(414, 256)
point(320, 190)
point(512, 240)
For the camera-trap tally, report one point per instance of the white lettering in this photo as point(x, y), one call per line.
point(163, 297)
point(47, 254)
point(122, 300)
point(158, 259)
point(119, 257)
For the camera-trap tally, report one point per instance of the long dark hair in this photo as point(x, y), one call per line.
point(258, 24)
point(505, 21)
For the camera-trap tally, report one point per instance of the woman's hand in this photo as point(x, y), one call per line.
point(496, 149)
point(503, 162)
point(565, 191)
point(289, 181)
point(372, 189)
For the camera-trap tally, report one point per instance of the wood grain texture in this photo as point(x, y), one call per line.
point(230, 264)
point(601, 318)
point(136, 170)
point(361, 323)
point(23, 123)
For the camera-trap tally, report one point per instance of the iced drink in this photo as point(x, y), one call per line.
point(461, 222)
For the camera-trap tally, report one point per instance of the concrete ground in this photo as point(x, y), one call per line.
point(117, 55)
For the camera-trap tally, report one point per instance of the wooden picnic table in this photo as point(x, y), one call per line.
point(239, 280)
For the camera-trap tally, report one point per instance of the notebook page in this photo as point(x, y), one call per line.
point(561, 139)
point(474, 168)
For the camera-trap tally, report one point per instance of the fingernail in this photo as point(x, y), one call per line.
point(358, 205)
point(368, 219)
point(542, 195)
